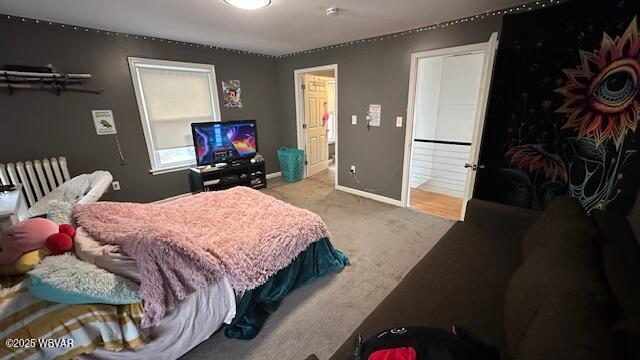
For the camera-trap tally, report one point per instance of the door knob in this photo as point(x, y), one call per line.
point(473, 167)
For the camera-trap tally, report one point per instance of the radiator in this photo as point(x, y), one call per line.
point(38, 177)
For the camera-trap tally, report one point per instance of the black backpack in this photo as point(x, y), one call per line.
point(423, 343)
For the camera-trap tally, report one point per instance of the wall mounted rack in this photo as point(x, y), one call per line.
point(17, 77)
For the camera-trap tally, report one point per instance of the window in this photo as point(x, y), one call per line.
point(171, 95)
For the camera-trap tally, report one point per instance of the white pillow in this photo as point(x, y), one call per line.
point(76, 188)
point(65, 279)
point(59, 212)
point(83, 189)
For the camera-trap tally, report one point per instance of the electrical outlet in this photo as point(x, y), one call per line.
point(354, 119)
point(353, 169)
point(115, 185)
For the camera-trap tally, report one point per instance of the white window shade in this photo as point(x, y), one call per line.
point(174, 99)
point(171, 95)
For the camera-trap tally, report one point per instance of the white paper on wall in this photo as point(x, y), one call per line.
point(375, 111)
point(104, 122)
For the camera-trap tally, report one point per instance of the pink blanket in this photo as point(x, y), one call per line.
point(189, 243)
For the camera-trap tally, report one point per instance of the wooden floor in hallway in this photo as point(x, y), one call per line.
point(436, 204)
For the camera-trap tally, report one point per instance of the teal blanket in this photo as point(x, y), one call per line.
point(256, 305)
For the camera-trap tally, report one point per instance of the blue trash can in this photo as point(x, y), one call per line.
point(291, 164)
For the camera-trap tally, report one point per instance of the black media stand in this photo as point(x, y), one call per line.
point(211, 178)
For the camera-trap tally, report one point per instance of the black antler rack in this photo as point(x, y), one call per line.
point(43, 79)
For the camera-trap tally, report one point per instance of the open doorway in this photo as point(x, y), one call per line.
point(317, 116)
point(447, 104)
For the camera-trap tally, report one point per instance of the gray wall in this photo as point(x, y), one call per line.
point(36, 124)
point(373, 73)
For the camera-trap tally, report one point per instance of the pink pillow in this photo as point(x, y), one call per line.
point(25, 236)
point(107, 256)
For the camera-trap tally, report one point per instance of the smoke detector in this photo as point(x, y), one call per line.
point(333, 11)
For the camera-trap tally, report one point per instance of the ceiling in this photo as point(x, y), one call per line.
point(286, 26)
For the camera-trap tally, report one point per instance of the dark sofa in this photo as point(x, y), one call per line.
point(550, 285)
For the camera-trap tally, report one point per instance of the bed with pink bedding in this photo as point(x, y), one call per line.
point(195, 253)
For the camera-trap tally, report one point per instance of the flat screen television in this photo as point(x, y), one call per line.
point(217, 142)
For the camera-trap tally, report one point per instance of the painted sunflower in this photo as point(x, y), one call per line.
point(533, 158)
point(602, 94)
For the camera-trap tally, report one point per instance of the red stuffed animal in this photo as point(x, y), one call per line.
point(62, 241)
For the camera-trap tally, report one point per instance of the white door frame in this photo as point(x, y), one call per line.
point(302, 133)
point(482, 96)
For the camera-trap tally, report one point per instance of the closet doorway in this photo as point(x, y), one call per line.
point(447, 105)
point(317, 116)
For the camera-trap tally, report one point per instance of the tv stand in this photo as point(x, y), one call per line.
point(239, 162)
point(239, 173)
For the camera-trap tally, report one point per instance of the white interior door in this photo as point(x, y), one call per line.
point(317, 145)
point(474, 155)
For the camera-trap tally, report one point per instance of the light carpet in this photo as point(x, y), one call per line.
point(383, 243)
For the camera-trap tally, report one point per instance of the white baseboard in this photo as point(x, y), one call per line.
point(371, 196)
point(269, 176)
point(171, 198)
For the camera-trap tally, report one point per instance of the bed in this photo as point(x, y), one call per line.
point(191, 323)
point(244, 287)
point(108, 331)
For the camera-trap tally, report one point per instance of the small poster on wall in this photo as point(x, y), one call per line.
point(104, 122)
point(375, 112)
point(231, 90)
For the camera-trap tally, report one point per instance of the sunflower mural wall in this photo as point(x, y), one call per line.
point(564, 108)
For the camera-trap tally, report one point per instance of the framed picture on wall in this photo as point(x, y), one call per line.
point(232, 91)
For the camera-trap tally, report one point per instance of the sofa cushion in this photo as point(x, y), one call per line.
point(621, 255)
point(461, 280)
point(558, 222)
point(570, 326)
point(550, 272)
point(513, 220)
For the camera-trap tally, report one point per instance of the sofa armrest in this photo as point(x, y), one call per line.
point(505, 218)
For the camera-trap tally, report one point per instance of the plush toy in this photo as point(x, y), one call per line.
point(62, 241)
point(23, 237)
point(24, 263)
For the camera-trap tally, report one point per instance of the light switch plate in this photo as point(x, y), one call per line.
point(399, 121)
point(354, 119)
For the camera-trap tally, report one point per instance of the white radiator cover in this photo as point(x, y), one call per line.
point(38, 177)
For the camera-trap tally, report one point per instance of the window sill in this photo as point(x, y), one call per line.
point(171, 169)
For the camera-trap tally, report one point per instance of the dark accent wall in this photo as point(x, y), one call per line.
point(37, 124)
point(373, 73)
point(558, 122)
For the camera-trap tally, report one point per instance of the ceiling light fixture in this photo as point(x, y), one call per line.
point(248, 4)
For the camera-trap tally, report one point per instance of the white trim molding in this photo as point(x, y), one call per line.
point(171, 169)
point(299, 99)
point(171, 198)
point(274, 175)
point(369, 195)
point(413, 85)
point(135, 64)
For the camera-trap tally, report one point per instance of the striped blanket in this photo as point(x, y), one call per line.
point(31, 328)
